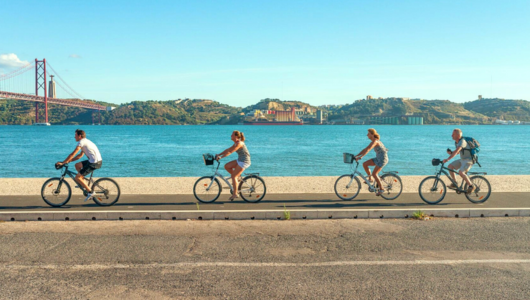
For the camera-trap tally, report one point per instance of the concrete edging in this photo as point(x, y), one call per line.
point(259, 214)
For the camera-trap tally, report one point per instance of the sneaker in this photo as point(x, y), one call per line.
point(89, 195)
point(452, 186)
point(470, 190)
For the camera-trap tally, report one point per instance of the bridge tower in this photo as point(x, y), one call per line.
point(40, 82)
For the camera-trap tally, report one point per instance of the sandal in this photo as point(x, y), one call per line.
point(380, 192)
point(233, 197)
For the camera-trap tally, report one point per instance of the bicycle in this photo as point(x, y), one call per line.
point(208, 188)
point(432, 189)
point(56, 191)
point(347, 186)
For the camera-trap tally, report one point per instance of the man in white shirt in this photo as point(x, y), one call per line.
point(87, 166)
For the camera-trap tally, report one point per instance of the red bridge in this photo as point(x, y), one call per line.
point(17, 83)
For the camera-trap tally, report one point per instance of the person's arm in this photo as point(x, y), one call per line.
point(71, 156)
point(366, 150)
point(453, 154)
point(229, 151)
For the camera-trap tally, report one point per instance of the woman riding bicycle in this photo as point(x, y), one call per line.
point(236, 167)
point(380, 160)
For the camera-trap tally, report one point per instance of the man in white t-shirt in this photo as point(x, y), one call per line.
point(87, 166)
point(464, 164)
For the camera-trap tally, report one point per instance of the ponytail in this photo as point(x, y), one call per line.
point(239, 135)
point(374, 133)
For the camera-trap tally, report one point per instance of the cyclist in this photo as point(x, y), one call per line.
point(87, 166)
point(463, 164)
point(380, 160)
point(236, 167)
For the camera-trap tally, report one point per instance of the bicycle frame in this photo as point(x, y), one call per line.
point(219, 175)
point(72, 175)
point(459, 188)
point(355, 172)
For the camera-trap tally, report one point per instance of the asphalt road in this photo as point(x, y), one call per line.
point(271, 201)
point(318, 259)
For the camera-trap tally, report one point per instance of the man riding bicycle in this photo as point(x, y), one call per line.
point(87, 166)
point(463, 164)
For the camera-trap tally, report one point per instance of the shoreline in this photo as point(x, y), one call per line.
point(275, 185)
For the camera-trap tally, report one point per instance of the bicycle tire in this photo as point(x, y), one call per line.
point(350, 192)
point(433, 188)
point(478, 189)
point(215, 188)
point(391, 184)
point(106, 192)
point(50, 185)
point(253, 192)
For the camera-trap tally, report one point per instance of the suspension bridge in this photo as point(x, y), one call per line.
point(18, 85)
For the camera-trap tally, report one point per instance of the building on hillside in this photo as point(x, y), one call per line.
point(369, 97)
point(320, 116)
point(479, 97)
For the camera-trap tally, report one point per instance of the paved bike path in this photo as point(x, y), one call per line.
point(270, 202)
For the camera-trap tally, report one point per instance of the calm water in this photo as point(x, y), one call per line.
point(175, 151)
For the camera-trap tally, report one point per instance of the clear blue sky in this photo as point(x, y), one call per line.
point(238, 52)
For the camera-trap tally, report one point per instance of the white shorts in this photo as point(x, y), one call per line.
point(242, 164)
point(463, 165)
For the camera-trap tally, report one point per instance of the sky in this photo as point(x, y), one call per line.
point(238, 52)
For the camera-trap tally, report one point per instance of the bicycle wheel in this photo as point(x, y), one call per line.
point(482, 190)
point(252, 188)
point(56, 192)
point(347, 188)
point(392, 185)
point(106, 192)
point(432, 190)
point(206, 190)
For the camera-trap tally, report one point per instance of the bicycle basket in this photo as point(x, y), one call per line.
point(436, 162)
point(208, 159)
point(348, 158)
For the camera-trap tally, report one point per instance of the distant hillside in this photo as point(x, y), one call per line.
point(187, 111)
point(277, 104)
point(501, 109)
point(15, 112)
point(204, 111)
point(432, 111)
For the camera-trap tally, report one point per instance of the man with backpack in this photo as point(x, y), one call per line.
point(466, 147)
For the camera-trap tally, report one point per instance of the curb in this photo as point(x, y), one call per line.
point(259, 214)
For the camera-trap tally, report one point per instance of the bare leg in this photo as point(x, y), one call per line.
point(235, 175)
point(230, 166)
point(367, 164)
point(452, 173)
point(80, 179)
point(235, 171)
point(378, 169)
point(465, 177)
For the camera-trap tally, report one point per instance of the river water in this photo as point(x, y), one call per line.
point(175, 151)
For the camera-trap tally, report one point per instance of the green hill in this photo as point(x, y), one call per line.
point(277, 104)
point(501, 109)
point(187, 111)
point(204, 111)
point(432, 111)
